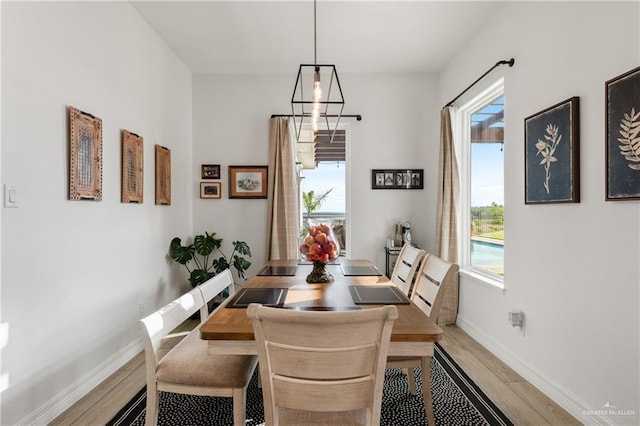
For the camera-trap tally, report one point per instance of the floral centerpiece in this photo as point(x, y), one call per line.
point(320, 247)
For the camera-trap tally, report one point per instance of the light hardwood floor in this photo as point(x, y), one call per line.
point(518, 399)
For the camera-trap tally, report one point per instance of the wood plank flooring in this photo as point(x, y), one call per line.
point(518, 399)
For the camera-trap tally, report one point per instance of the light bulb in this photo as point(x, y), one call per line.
point(317, 91)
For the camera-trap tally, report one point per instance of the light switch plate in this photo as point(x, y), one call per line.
point(10, 196)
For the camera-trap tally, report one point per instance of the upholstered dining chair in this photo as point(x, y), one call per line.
point(324, 368)
point(432, 278)
point(404, 271)
point(188, 368)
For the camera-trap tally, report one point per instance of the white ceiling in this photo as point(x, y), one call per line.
point(275, 37)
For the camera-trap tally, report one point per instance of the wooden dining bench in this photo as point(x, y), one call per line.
point(188, 368)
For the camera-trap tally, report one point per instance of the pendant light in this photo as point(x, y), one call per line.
point(317, 95)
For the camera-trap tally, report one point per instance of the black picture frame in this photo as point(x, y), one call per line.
point(552, 154)
point(397, 179)
point(210, 171)
point(623, 136)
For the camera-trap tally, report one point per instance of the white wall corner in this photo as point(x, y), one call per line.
point(73, 393)
point(553, 390)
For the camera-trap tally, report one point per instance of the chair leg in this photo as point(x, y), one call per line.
point(239, 406)
point(426, 390)
point(151, 417)
point(411, 377)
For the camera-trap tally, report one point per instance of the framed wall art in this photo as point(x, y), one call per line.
point(132, 168)
point(397, 179)
point(210, 171)
point(552, 155)
point(248, 181)
point(623, 136)
point(210, 190)
point(163, 176)
point(85, 156)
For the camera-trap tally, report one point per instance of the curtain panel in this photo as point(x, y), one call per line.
point(446, 212)
point(282, 200)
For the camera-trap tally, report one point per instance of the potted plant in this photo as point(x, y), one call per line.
point(204, 257)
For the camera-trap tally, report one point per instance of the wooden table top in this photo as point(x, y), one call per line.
point(412, 324)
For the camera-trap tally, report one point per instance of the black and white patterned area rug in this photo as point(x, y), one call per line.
point(457, 400)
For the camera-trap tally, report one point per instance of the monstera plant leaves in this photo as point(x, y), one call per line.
point(206, 244)
point(179, 253)
point(199, 253)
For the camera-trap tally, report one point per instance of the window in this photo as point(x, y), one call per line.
point(323, 184)
point(482, 184)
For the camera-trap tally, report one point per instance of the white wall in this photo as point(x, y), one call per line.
point(572, 269)
point(73, 272)
point(400, 116)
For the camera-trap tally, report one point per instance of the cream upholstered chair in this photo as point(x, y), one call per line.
point(404, 271)
point(403, 277)
point(188, 368)
point(323, 368)
point(433, 277)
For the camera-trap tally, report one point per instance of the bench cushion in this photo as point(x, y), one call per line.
point(189, 363)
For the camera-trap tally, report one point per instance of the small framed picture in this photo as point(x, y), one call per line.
point(552, 141)
point(210, 190)
point(397, 179)
point(623, 136)
point(248, 181)
point(210, 171)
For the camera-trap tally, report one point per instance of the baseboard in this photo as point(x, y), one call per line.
point(72, 394)
point(556, 392)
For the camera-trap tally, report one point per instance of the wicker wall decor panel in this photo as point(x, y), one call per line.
point(132, 168)
point(85, 156)
point(163, 176)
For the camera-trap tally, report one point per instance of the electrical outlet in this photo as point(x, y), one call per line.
point(516, 318)
point(141, 310)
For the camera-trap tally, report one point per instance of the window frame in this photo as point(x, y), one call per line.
point(463, 133)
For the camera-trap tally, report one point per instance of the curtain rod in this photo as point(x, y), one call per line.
point(356, 116)
point(510, 62)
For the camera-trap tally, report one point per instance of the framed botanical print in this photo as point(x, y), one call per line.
point(552, 142)
point(132, 168)
point(248, 181)
point(623, 136)
point(163, 176)
point(85, 156)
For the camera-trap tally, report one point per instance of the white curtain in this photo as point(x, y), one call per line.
point(282, 211)
point(446, 216)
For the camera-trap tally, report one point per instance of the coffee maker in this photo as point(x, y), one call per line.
point(402, 234)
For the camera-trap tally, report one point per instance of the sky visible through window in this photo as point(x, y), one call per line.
point(487, 178)
point(324, 177)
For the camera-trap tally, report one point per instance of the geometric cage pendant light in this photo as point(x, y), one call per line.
point(317, 96)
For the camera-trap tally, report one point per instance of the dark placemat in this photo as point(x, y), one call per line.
point(377, 295)
point(265, 296)
point(351, 270)
point(281, 271)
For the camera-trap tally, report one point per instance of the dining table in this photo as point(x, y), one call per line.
point(229, 331)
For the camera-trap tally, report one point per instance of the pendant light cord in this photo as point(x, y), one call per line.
point(315, 39)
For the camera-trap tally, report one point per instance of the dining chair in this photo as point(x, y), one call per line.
point(323, 368)
point(404, 271)
point(188, 368)
point(433, 277)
